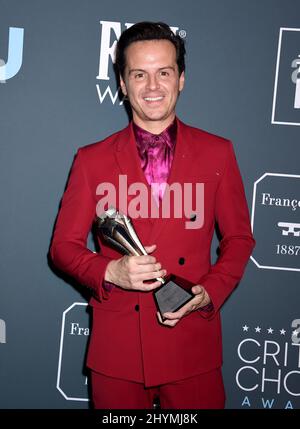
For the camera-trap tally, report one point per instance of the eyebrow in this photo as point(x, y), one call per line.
point(145, 71)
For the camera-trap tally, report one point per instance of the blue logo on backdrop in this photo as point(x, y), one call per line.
point(15, 54)
point(286, 97)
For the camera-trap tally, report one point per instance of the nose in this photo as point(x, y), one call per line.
point(152, 82)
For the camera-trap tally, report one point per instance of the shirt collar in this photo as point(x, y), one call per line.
point(145, 138)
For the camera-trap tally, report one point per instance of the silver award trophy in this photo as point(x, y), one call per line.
point(116, 228)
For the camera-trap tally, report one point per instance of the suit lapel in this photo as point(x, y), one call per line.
point(179, 171)
point(128, 160)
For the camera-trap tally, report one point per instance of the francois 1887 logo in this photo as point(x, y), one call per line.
point(275, 222)
point(72, 382)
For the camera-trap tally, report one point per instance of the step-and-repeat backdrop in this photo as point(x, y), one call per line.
point(58, 92)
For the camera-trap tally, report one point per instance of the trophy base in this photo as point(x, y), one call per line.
point(173, 294)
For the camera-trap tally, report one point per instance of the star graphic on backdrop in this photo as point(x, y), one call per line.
point(245, 328)
point(257, 329)
point(282, 331)
point(295, 333)
point(270, 331)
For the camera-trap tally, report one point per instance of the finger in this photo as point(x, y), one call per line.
point(146, 287)
point(146, 270)
point(149, 268)
point(159, 317)
point(174, 316)
point(150, 249)
point(169, 323)
point(151, 275)
point(197, 289)
point(186, 309)
point(146, 277)
point(144, 259)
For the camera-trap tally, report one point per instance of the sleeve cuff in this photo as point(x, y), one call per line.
point(107, 286)
point(207, 311)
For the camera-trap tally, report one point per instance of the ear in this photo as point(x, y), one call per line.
point(123, 86)
point(181, 81)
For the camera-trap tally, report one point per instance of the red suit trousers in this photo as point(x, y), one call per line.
point(204, 391)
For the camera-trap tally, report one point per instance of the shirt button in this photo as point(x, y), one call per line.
point(181, 261)
point(137, 308)
point(157, 138)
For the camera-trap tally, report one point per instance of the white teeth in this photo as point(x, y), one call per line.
point(153, 98)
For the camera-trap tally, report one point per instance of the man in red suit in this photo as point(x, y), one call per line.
point(134, 355)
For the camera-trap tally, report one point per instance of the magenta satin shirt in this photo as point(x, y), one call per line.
point(156, 153)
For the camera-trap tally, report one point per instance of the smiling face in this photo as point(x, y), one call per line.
point(152, 83)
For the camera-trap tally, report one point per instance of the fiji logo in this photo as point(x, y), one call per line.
point(110, 33)
point(15, 54)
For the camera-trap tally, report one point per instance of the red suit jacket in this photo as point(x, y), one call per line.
point(127, 341)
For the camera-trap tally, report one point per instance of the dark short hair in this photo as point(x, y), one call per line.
point(148, 31)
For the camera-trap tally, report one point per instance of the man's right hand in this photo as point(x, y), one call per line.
point(130, 272)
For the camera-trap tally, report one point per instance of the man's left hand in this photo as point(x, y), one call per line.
point(201, 299)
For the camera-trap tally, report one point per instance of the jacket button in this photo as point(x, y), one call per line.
point(193, 217)
point(137, 308)
point(181, 261)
